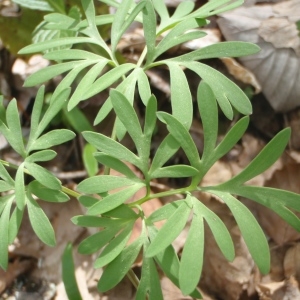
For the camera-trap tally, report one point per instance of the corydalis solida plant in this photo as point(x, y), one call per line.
point(110, 211)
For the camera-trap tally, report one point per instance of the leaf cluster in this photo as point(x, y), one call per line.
point(85, 54)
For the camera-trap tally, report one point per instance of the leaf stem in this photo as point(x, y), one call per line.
point(162, 194)
point(133, 278)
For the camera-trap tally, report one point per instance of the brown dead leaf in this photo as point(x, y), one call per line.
point(281, 33)
point(284, 290)
point(292, 262)
point(276, 69)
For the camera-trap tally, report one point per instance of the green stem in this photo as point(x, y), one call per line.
point(133, 279)
point(142, 57)
point(162, 194)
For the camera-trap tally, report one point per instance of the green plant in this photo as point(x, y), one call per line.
point(107, 209)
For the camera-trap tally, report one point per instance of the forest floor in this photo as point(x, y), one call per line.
point(35, 269)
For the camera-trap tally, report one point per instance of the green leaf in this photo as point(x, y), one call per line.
point(46, 194)
point(219, 230)
point(114, 200)
point(57, 5)
point(277, 200)
point(50, 72)
point(114, 248)
point(4, 235)
point(215, 7)
point(14, 126)
point(87, 201)
point(44, 46)
point(143, 86)
point(5, 175)
point(74, 54)
point(103, 183)
point(115, 164)
point(177, 171)
point(161, 9)
point(224, 89)
point(36, 111)
point(192, 256)
point(128, 117)
point(118, 22)
point(252, 233)
point(164, 212)
point(98, 240)
point(224, 49)
point(231, 138)
point(111, 147)
point(43, 176)
point(169, 262)
point(183, 9)
point(105, 81)
point(69, 79)
point(266, 158)
point(149, 287)
point(55, 106)
point(178, 36)
point(209, 116)
point(127, 88)
point(180, 133)
point(77, 119)
point(35, 4)
point(181, 98)
point(92, 221)
point(150, 118)
point(40, 222)
point(4, 186)
point(14, 224)
point(168, 147)
point(123, 212)
point(86, 82)
point(90, 163)
point(149, 26)
point(123, 24)
point(20, 187)
point(43, 155)
point(170, 230)
point(68, 274)
point(119, 267)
